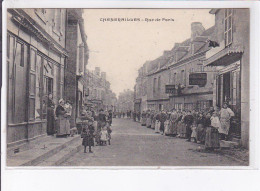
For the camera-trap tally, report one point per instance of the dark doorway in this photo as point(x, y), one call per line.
point(226, 87)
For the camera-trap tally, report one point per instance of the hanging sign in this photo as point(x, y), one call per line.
point(199, 79)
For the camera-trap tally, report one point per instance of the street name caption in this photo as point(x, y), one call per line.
point(147, 20)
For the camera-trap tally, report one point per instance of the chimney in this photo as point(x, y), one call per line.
point(103, 75)
point(196, 30)
point(97, 71)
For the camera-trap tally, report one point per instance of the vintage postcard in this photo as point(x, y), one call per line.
point(127, 87)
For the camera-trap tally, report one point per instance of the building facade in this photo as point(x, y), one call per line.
point(76, 44)
point(232, 57)
point(36, 57)
point(140, 92)
point(100, 95)
point(193, 82)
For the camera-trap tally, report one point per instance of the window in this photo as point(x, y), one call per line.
point(159, 84)
point(174, 78)
point(38, 88)
point(154, 85)
point(228, 26)
point(183, 79)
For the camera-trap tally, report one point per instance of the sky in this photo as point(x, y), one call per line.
point(121, 48)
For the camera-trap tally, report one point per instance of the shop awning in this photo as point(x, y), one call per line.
point(224, 57)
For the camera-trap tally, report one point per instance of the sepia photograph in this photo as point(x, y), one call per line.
point(127, 87)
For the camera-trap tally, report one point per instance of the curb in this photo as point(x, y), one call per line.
point(50, 153)
point(67, 156)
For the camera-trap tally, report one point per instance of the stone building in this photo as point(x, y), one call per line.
point(140, 92)
point(158, 77)
point(232, 57)
point(100, 95)
point(76, 44)
point(36, 58)
point(193, 83)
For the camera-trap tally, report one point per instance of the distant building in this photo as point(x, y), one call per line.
point(100, 95)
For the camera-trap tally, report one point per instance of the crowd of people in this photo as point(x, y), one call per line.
point(202, 127)
point(94, 126)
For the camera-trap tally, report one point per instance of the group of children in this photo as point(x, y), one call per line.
point(95, 129)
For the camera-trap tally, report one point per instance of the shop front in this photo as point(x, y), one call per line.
point(32, 75)
point(228, 85)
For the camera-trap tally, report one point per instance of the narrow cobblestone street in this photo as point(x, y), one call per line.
point(136, 145)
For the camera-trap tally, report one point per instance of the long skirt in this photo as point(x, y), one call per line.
point(170, 131)
point(167, 127)
point(212, 138)
point(143, 121)
point(157, 126)
point(225, 125)
point(50, 121)
point(153, 125)
point(201, 133)
point(174, 128)
point(63, 126)
point(162, 126)
point(148, 122)
point(183, 130)
point(88, 141)
point(179, 128)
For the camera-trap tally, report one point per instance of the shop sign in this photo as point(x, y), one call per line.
point(199, 79)
point(170, 89)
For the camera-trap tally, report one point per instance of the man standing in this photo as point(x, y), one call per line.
point(188, 120)
point(163, 117)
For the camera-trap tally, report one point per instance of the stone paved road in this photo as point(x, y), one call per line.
point(134, 145)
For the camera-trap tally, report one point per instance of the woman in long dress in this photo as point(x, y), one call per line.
point(63, 128)
point(212, 136)
point(148, 120)
point(225, 115)
point(157, 123)
point(167, 125)
point(50, 116)
point(201, 129)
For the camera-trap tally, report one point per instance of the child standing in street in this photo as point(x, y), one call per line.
point(104, 136)
point(88, 138)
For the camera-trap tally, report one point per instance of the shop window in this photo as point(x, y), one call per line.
point(19, 82)
point(228, 26)
point(38, 88)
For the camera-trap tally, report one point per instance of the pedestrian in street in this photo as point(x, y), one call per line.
point(225, 115)
point(109, 132)
point(143, 119)
point(188, 120)
point(212, 135)
point(179, 123)
point(101, 123)
point(152, 120)
point(148, 119)
point(163, 117)
point(63, 127)
point(88, 138)
point(172, 127)
point(167, 124)
point(103, 136)
point(50, 116)
point(201, 129)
